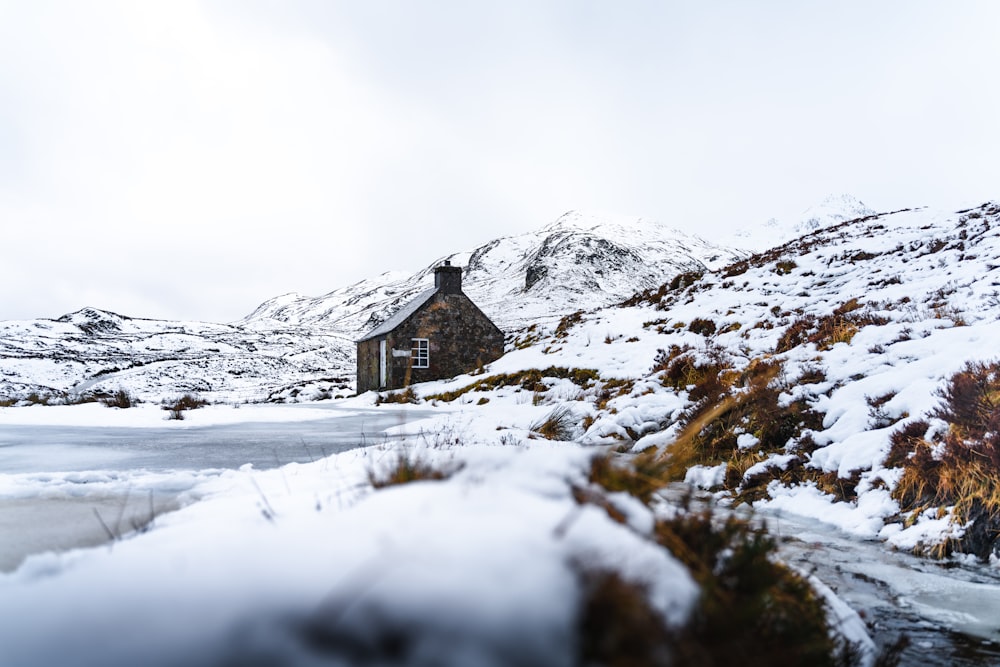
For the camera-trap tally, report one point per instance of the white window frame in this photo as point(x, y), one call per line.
point(420, 352)
point(381, 364)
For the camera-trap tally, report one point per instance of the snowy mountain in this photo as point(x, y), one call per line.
point(579, 261)
point(95, 351)
point(298, 346)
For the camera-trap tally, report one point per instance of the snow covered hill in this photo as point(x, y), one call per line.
point(829, 376)
point(93, 351)
point(579, 261)
point(297, 346)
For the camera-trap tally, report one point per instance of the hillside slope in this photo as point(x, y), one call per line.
point(829, 376)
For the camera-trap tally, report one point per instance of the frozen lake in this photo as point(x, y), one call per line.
point(69, 486)
point(42, 448)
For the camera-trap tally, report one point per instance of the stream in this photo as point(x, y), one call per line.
point(949, 612)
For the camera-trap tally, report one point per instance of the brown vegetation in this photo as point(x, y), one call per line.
point(529, 380)
point(959, 469)
point(838, 327)
point(406, 469)
point(404, 396)
point(120, 399)
point(560, 424)
point(185, 402)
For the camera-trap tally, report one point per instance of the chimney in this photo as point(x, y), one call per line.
point(448, 278)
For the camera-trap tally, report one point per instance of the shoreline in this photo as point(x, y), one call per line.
point(33, 526)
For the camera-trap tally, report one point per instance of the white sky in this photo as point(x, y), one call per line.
point(189, 160)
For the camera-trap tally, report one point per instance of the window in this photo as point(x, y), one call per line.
point(420, 353)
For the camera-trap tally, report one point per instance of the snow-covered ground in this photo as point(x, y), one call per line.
point(307, 563)
point(310, 562)
point(268, 565)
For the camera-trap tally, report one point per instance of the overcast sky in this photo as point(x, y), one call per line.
point(189, 160)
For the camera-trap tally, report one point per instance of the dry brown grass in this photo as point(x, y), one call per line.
point(528, 380)
point(407, 395)
point(687, 450)
point(731, 403)
point(838, 327)
point(753, 610)
point(959, 470)
point(641, 475)
point(408, 468)
point(560, 424)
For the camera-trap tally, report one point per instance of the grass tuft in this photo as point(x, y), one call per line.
point(180, 405)
point(958, 471)
point(120, 399)
point(560, 424)
point(405, 396)
point(406, 469)
point(753, 610)
point(641, 476)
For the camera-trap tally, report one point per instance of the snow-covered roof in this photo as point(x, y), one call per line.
point(401, 315)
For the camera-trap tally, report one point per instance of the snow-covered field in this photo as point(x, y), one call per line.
point(268, 565)
point(309, 564)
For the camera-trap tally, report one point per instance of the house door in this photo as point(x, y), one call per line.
point(381, 363)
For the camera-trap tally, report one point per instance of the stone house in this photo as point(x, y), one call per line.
point(441, 333)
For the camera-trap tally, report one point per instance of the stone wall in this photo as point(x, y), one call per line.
point(460, 339)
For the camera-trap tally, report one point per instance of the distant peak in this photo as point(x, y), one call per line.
point(589, 221)
point(89, 314)
point(833, 209)
point(843, 200)
point(844, 204)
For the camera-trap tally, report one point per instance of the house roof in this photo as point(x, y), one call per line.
point(401, 315)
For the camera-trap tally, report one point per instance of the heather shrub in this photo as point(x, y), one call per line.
point(34, 398)
point(748, 402)
point(784, 267)
point(616, 624)
point(641, 475)
point(120, 399)
point(702, 374)
point(702, 326)
point(753, 609)
point(185, 402)
point(838, 327)
point(959, 469)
